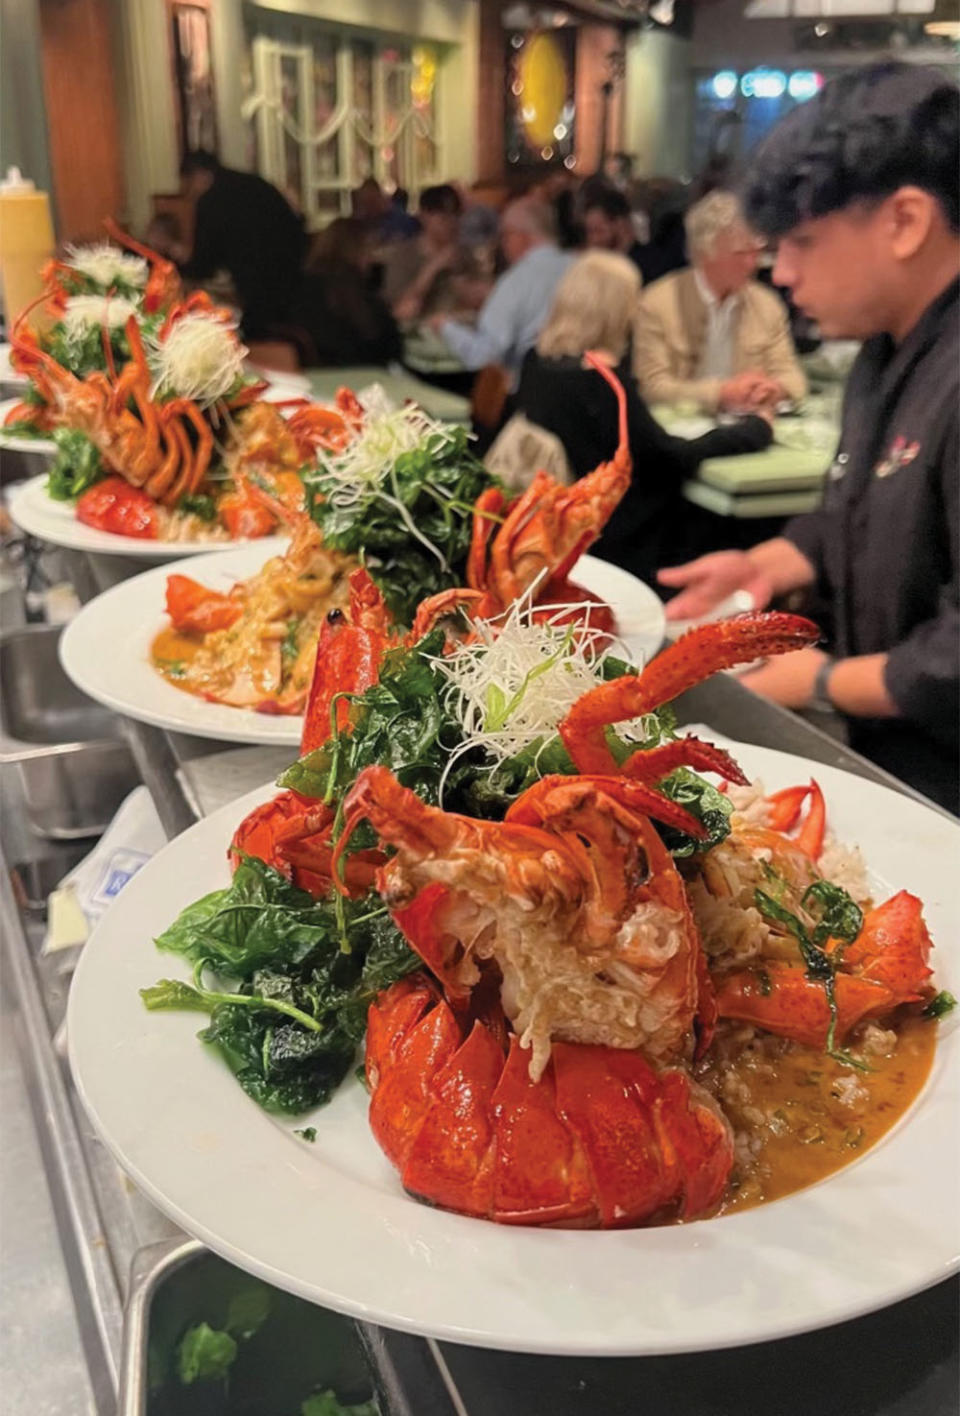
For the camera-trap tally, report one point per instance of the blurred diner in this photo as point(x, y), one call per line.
point(608, 225)
point(343, 318)
point(594, 308)
point(713, 335)
point(430, 272)
point(243, 225)
point(515, 310)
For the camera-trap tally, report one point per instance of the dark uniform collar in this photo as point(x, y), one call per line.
point(898, 359)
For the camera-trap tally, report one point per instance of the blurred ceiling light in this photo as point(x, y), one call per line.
point(803, 84)
point(724, 84)
point(763, 83)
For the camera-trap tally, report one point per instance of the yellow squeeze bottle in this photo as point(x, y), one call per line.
point(26, 241)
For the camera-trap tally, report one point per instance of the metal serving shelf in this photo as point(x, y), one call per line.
point(117, 1248)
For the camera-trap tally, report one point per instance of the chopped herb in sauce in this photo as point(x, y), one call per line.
point(288, 649)
point(940, 1005)
point(840, 918)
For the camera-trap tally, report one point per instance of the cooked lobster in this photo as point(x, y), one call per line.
point(583, 922)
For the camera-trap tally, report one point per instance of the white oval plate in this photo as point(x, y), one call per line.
point(132, 613)
point(330, 1222)
point(39, 515)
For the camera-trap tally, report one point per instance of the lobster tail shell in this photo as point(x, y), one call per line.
point(601, 1139)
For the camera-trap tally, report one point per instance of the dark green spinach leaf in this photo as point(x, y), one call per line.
point(76, 466)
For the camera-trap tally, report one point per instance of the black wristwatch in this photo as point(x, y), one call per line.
point(820, 701)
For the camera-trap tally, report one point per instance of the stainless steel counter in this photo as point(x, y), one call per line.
point(86, 1227)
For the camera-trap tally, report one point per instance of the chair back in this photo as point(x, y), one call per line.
point(522, 449)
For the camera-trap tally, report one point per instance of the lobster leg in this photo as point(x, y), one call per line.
point(533, 806)
point(486, 510)
point(695, 656)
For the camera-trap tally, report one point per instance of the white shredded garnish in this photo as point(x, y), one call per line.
point(518, 677)
point(108, 265)
point(364, 470)
point(199, 358)
point(83, 311)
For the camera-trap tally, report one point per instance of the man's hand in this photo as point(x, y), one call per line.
point(773, 568)
point(787, 679)
point(750, 390)
point(707, 582)
point(435, 323)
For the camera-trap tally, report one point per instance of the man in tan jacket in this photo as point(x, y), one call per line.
point(711, 333)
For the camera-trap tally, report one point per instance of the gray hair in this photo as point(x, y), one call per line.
point(531, 217)
point(709, 218)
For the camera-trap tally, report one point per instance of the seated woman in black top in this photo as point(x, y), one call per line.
point(346, 321)
point(594, 308)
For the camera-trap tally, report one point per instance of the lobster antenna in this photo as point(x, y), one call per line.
point(124, 238)
point(15, 328)
point(594, 361)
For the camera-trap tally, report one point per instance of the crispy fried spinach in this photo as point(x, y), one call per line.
point(437, 484)
point(940, 1005)
point(712, 808)
point(76, 466)
point(293, 1011)
point(405, 722)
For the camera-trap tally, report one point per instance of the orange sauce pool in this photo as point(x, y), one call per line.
point(171, 650)
point(801, 1115)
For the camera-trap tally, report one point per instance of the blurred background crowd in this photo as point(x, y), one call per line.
point(726, 201)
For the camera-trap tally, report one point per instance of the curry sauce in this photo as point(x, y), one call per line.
point(799, 1115)
point(171, 651)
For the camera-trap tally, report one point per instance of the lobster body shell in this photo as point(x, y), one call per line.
point(601, 1139)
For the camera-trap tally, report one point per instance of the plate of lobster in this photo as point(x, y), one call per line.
point(36, 513)
point(217, 665)
point(651, 1063)
point(408, 531)
point(157, 433)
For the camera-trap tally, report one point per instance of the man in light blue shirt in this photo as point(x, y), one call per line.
point(517, 307)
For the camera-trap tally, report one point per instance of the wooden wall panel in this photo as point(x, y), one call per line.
point(490, 101)
point(79, 88)
point(594, 44)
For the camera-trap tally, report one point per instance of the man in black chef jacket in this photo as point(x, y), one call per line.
point(860, 187)
point(244, 225)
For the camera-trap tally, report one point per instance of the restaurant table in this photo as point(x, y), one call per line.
point(89, 1236)
point(782, 480)
point(428, 353)
point(398, 384)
